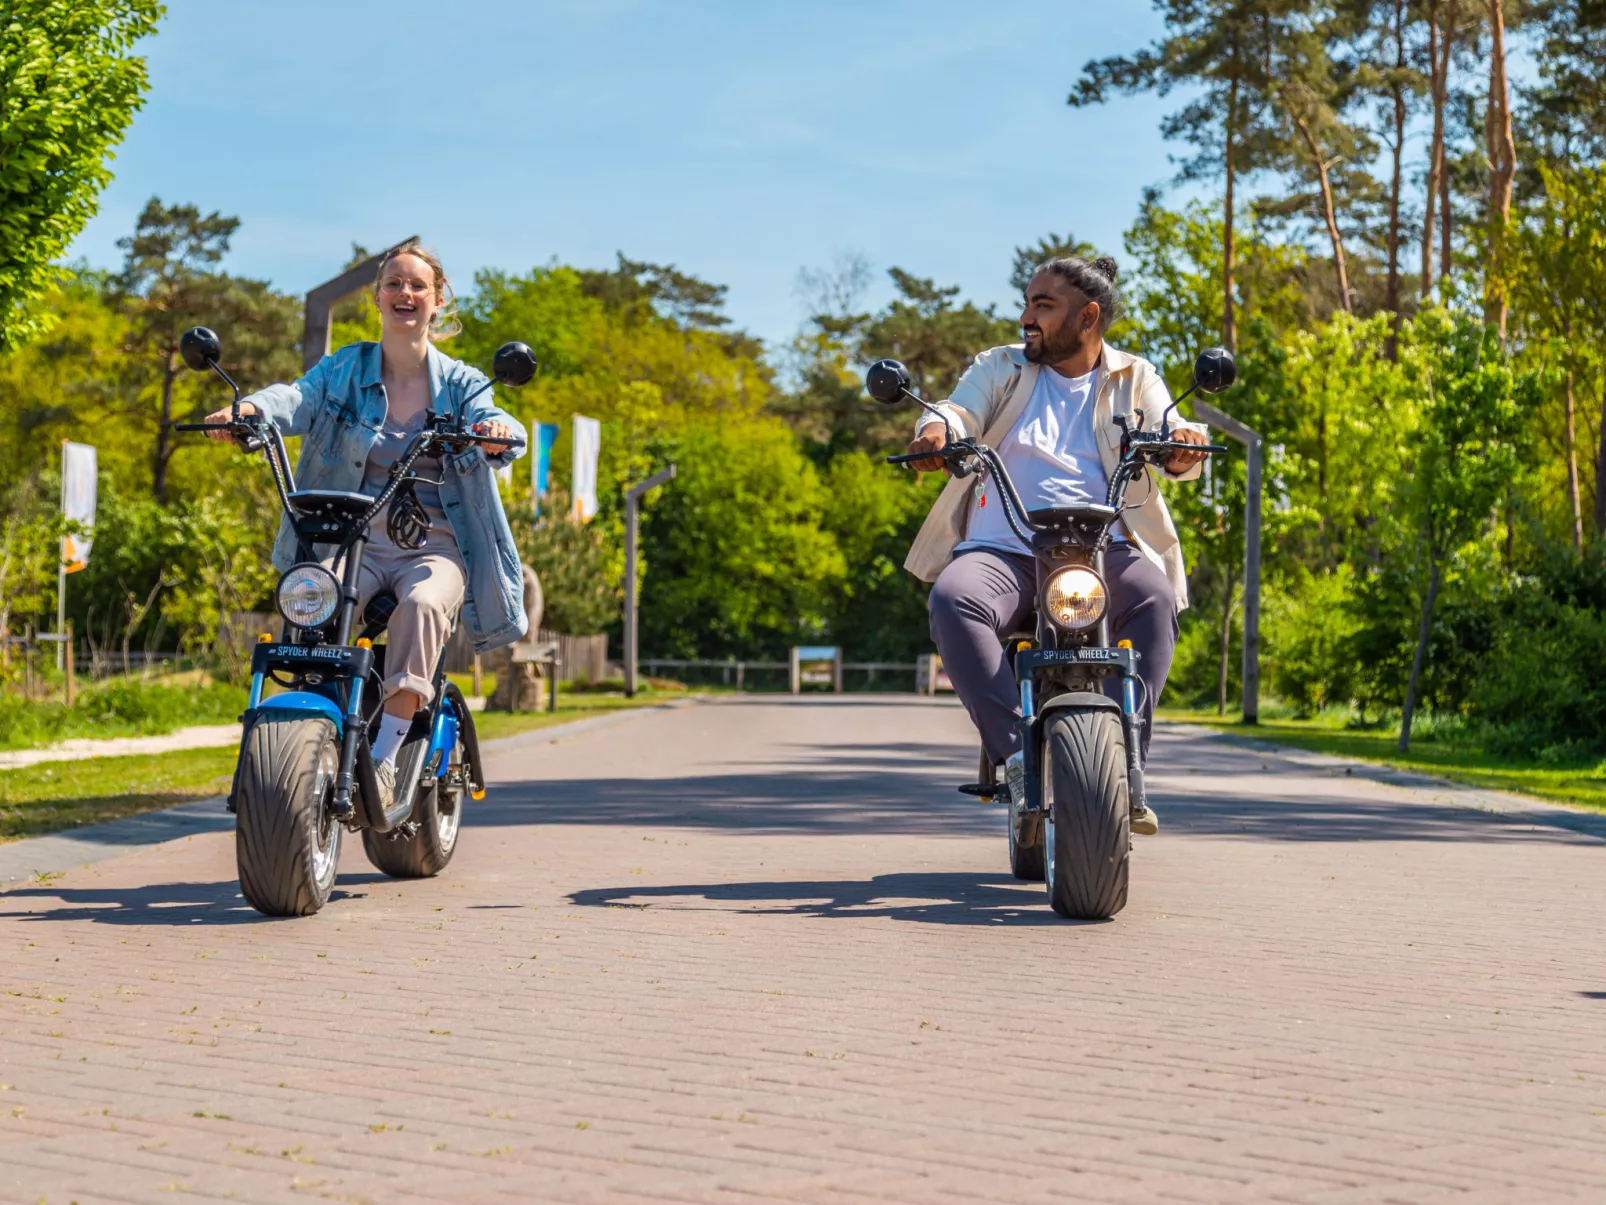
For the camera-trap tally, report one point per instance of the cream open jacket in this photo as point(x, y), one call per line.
point(989, 399)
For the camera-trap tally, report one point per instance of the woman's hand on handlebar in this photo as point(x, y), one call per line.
point(1181, 462)
point(226, 415)
point(932, 439)
point(494, 430)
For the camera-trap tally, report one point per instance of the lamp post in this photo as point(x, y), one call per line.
point(632, 508)
point(1255, 447)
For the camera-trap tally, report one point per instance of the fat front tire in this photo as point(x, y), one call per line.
point(1088, 839)
point(421, 848)
point(286, 843)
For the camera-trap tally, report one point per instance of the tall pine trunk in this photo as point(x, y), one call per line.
point(1229, 318)
point(1392, 297)
point(1446, 216)
point(1324, 180)
point(1437, 78)
point(1600, 473)
point(1502, 150)
point(1572, 467)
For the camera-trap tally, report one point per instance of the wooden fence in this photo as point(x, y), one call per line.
point(580, 658)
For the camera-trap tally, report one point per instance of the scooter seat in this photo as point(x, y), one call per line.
point(330, 504)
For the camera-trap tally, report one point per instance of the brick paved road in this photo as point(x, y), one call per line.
point(759, 950)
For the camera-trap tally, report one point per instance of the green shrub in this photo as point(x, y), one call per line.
point(122, 707)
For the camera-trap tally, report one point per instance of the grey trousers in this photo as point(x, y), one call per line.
point(982, 596)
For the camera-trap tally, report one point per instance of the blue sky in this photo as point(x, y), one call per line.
point(740, 141)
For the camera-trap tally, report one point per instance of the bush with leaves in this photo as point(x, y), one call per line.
point(579, 593)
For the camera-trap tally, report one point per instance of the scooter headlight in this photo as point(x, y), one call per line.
point(308, 595)
point(1075, 598)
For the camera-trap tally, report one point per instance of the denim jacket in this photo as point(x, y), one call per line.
point(339, 408)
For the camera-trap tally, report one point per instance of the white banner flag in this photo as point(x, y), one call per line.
point(587, 445)
point(77, 502)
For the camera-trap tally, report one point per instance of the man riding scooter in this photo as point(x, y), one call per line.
point(1048, 406)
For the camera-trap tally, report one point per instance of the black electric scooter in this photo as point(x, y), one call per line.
point(305, 772)
point(1084, 771)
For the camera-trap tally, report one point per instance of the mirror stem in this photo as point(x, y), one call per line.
point(1165, 419)
point(229, 381)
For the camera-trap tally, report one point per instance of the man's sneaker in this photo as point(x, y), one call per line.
point(1145, 820)
point(1015, 777)
point(385, 775)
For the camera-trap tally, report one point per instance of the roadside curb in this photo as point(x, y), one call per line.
point(1523, 808)
point(55, 853)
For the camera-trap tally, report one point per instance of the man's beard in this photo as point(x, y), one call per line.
point(1051, 349)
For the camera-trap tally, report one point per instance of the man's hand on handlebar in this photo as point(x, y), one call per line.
point(932, 439)
point(1181, 462)
point(226, 415)
point(494, 430)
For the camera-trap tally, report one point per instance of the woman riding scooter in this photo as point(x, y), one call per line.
point(357, 409)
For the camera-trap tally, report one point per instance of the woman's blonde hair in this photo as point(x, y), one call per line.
point(446, 323)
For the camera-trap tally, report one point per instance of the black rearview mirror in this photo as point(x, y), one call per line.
point(514, 364)
point(200, 348)
point(1214, 370)
point(887, 382)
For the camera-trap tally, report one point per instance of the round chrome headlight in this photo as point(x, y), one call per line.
point(308, 595)
point(1075, 598)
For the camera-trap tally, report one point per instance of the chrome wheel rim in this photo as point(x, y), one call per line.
point(447, 821)
point(326, 830)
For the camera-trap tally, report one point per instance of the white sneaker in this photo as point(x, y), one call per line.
point(385, 775)
point(1015, 777)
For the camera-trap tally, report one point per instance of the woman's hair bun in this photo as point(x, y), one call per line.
point(1106, 267)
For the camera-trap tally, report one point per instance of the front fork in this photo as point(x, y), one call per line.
point(1031, 745)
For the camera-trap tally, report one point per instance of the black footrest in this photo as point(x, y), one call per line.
point(981, 792)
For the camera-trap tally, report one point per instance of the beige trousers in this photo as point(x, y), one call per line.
point(429, 586)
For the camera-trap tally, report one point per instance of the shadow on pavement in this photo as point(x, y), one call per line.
point(174, 904)
point(943, 898)
point(1201, 788)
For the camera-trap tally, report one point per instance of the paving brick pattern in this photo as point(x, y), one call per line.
point(760, 950)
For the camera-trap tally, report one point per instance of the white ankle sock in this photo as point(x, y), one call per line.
point(392, 730)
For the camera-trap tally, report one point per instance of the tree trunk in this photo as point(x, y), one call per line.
point(1446, 217)
point(1502, 166)
point(1436, 86)
point(164, 433)
point(1419, 658)
point(1229, 319)
point(1572, 466)
point(1226, 647)
point(1392, 298)
point(1600, 473)
point(1329, 214)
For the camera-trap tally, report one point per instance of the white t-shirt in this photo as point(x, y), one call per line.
point(1052, 455)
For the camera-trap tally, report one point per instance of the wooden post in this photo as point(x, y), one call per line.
point(71, 685)
point(477, 672)
point(836, 670)
point(795, 672)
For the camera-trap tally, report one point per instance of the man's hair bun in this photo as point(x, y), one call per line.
point(1106, 267)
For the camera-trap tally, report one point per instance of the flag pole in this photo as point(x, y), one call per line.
point(61, 568)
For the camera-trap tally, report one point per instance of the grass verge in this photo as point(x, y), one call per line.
point(1580, 784)
point(52, 796)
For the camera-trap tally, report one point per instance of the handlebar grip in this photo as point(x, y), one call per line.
point(203, 426)
point(910, 458)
